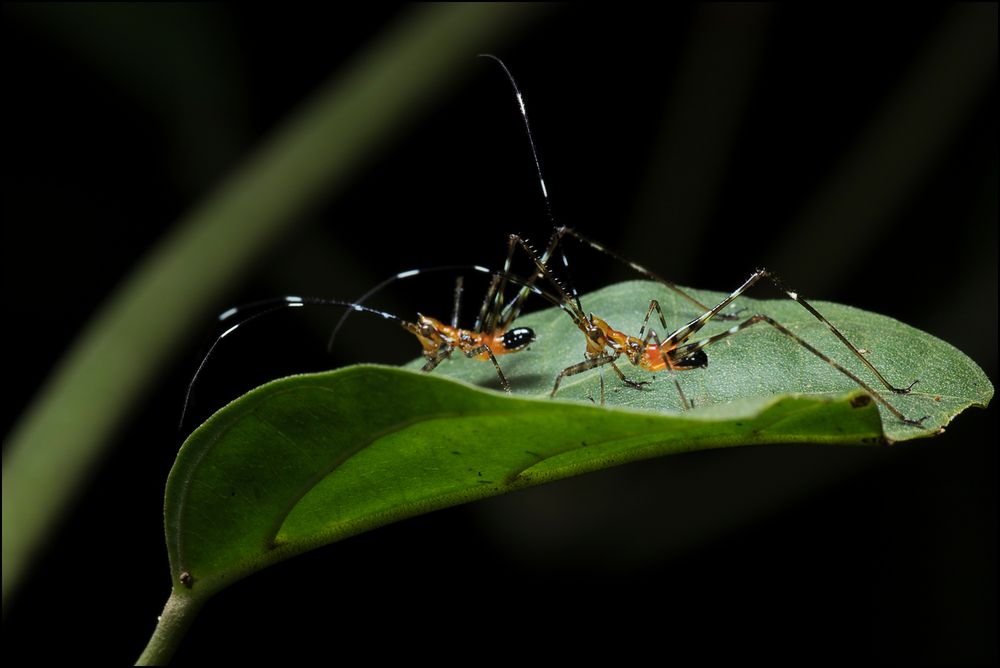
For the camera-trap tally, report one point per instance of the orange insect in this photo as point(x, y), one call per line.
point(491, 337)
point(605, 344)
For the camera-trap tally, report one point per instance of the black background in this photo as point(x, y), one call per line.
point(702, 143)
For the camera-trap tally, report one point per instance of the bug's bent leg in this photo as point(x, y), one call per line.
point(435, 358)
point(653, 306)
point(682, 334)
point(634, 384)
point(475, 352)
point(512, 310)
point(836, 332)
point(585, 365)
point(569, 299)
point(485, 321)
point(685, 404)
point(753, 320)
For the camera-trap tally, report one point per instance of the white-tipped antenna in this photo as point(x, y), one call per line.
point(410, 273)
point(527, 128)
point(269, 306)
point(515, 304)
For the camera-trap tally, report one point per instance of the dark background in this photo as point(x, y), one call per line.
point(854, 152)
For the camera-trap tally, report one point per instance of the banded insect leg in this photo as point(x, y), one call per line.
point(796, 297)
point(754, 319)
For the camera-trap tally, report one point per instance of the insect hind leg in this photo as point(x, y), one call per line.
point(757, 318)
point(643, 271)
point(791, 294)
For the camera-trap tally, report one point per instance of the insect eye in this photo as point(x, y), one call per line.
point(518, 338)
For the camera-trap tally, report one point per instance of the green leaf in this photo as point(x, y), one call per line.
point(759, 362)
point(308, 460)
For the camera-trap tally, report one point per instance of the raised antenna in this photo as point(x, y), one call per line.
point(545, 192)
point(527, 127)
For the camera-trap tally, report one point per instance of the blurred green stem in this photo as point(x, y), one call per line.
point(112, 365)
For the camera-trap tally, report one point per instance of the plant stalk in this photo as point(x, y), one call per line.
point(172, 624)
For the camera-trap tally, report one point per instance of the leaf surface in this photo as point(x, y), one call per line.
point(308, 460)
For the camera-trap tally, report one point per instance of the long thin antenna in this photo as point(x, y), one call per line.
point(396, 277)
point(274, 304)
point(513, 308)
point(527, 127)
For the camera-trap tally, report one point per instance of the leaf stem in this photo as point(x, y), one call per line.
point(172, 624)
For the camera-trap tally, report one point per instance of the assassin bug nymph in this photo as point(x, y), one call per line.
point(500, 316)
point(605, 344)
point(491, 337)
point(675, 352)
